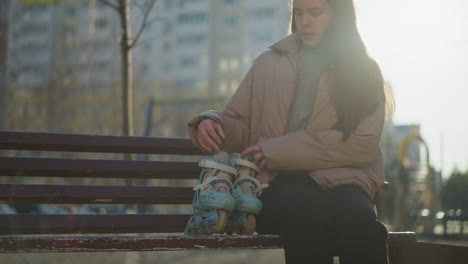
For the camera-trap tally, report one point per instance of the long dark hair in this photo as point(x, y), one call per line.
point(357, 83)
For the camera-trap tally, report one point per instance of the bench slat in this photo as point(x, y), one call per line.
point(109, 243)
point(72, 194)
point(91, 224)
point(38, 244)
point(95, 143)
point(51, 167)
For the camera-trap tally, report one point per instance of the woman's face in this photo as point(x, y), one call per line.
point(312, 18)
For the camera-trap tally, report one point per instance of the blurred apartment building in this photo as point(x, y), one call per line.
point(62, 61)
point(206, 45)
point(198, 52)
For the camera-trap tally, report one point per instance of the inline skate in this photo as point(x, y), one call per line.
point(213, 196)
point(246, 190)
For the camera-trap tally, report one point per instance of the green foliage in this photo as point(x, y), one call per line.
point(457, 180)
point(455, 189)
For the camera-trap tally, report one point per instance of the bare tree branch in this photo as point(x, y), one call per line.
point(144, 23)
point(150, 22)
point(139, 5)
point(110, 4)
point(142, 41)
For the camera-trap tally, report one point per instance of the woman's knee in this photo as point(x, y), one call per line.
point(351, 206)
point(291, 196)
point(293, 205)
point(302, 200)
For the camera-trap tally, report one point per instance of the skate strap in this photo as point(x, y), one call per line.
point(219, 166)
point(247, 163)
point(259, 187)
point(205, 185)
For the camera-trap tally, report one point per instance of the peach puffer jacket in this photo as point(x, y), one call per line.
point(257, 115)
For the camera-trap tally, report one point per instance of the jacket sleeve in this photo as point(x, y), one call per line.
point(311, 150)
point(235, 119)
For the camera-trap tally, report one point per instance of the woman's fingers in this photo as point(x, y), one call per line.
point(262, 164)
point(249, 150)
point(213, 134)
point(204, 147)
point(207, 141)
point(259, 157)
point(219, 130)
point(208, 135)
point(201, 141)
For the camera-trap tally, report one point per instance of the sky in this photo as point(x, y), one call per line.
point(422, 48)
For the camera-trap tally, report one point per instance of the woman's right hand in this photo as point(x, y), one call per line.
point(209, 135)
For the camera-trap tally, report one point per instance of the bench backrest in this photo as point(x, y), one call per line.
point(69, 168)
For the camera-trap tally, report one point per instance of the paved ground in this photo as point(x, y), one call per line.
point(272, 256)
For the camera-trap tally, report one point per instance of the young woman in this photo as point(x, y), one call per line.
point(311, 109)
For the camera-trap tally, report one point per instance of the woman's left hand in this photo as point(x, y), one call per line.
point(259, 158)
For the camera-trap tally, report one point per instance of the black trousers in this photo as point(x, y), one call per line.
point(317, 224)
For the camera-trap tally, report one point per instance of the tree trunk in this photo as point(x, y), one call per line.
point(126, 37)
point(125, 43)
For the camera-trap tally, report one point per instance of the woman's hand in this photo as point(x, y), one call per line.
point(209, 135)
point(259, 158)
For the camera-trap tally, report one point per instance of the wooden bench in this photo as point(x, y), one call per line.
point(91, 232)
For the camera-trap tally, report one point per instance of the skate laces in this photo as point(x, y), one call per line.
point(259, 187)
point(206, 184)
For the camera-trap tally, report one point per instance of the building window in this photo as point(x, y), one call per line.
point(191, 40)
point(183, 2)
point(146, 70)
point(230, 21)
point(234, 64)
point(191, 18)
point(261, 36)
point(228, 41)
point(168, 4)
point(260, 13)
point(70, 11)
point(101, 23)
point(166, 46)
point(167, 27)
point(223, 86)
point(223, 65)
point(186, 84)
point(147, 48)
point(189, 62)
point(230, 2)
point(167, 68)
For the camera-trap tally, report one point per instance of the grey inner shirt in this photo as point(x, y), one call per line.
point(312, 61)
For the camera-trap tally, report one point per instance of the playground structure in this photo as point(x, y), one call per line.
point(417, 197)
